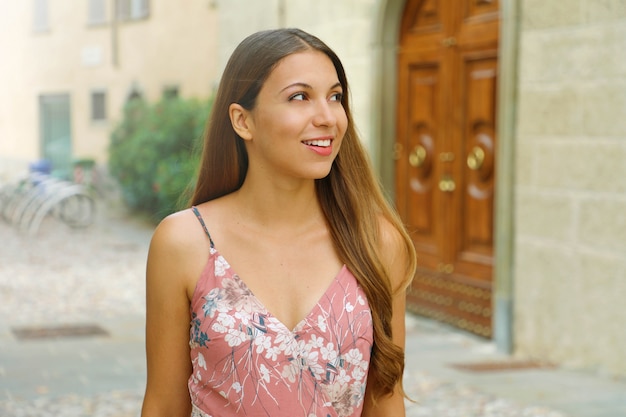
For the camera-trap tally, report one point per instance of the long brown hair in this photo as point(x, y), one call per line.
point(350, 196)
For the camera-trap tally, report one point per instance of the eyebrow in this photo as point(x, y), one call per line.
point(309, 87)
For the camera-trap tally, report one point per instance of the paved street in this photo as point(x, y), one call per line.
point(66, 281)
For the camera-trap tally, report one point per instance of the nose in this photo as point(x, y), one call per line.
point(325, 114)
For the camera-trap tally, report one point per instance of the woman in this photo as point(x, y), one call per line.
point(290, 266)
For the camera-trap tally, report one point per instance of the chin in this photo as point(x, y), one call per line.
point(320, 174)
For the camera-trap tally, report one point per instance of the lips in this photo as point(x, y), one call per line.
point(318, 142)
point(323, 147)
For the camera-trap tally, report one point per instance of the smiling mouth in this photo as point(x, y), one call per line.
point(323, 143)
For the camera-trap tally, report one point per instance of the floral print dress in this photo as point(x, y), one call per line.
point(247, 362)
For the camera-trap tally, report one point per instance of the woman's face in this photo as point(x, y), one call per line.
point(298, 122)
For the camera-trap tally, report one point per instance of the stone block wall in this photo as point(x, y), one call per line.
point(570, 220)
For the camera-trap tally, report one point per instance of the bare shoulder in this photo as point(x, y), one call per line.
point(177, 232)
point(178, 249)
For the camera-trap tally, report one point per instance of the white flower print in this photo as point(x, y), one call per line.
point(354, 357)
point(286, 343)
point(349, 307)
point(225, 320)
point(358, 373)
point(360, 300)
point(218, 328)
point(329, 353)
point(221, 266)
point(274, 326)
point(321, 323)
point(243, 317)
point(311, 363)
point(263, 343)
point(201, 361)
point(316, 342)
point(343, 377)
point(236, 386)
point(265, 373)
point(235, 337)
point(272, 353)
point(290, 371)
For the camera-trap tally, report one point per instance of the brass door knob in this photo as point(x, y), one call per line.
point(417, 157)
point(447, 184)
point(476, 158)
point(449, 42)
point(446, 156)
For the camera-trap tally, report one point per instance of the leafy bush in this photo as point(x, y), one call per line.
point(154, 155)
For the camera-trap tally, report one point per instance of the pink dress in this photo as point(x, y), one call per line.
point(246, 362)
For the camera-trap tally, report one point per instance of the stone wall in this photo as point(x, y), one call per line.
point(570, 220)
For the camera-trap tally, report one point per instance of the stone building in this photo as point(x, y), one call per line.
point(496, 126)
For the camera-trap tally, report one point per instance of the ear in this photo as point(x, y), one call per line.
point(241, 121)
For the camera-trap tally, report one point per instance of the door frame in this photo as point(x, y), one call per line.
point(383, 127)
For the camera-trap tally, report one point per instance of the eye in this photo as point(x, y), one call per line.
point(336, 97)
point(298, 97)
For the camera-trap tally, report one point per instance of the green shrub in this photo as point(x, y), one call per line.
point(154, 153)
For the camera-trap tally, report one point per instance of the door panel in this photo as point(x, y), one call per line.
point(447, 75)
point(479, 150)
point(422, 16)
point(481, 9)
point(418, 201)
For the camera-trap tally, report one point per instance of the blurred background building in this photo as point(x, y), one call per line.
point(496, 126)
point(68, 67)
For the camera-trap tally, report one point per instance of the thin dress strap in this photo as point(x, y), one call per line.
point(201, 220)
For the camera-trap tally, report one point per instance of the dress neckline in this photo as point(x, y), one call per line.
point(337, 279)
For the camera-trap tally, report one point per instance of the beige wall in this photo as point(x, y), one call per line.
point(570, 271)
point(174, 46)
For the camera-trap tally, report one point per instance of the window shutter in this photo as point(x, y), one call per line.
point(123, 9)
point(98, 106)
point(97, 12)
point(40, 16)
point(140, 9)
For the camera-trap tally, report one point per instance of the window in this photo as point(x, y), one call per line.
point(134, 94)
point(98, 106)
point(97, 13)
point(133, 9)
point(40, 16)
point(170, 92)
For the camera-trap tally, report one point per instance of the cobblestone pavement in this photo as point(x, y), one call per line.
point(96, 275)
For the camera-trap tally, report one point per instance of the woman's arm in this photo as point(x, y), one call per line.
point(395, 258)
point(167, 324)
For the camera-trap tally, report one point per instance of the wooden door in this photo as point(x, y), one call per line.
point(445, 150)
